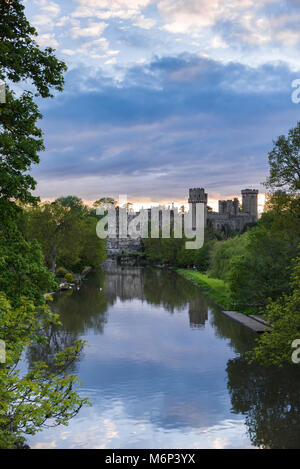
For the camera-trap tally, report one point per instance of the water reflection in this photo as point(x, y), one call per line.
point(163, 368)
point(270, 400)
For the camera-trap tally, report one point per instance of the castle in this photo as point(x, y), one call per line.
point(230, 217)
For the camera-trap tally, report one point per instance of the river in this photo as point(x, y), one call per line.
point(163, 368)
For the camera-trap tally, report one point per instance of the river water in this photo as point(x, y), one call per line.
point(163, 368)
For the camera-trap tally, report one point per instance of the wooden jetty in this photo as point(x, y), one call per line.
point(254, 323)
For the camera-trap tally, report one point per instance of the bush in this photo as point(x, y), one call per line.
point(69, 277)
point(222, 254)
point(163, 250)
point(276, 347)
point(261, 271)
point(61, 271)
point(198, 257)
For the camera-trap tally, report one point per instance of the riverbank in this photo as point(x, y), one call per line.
point(219, 291)
point(213, 287)
point(63, 284)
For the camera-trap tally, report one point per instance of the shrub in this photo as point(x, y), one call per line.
point(61, 271)
point(222, 254)
point(69, 277)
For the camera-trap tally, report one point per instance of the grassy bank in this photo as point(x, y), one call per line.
point(213, 287)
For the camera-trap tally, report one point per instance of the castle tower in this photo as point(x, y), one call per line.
point(229, 207)
point(197, 195)
point(249, 204)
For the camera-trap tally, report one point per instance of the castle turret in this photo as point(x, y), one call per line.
point(249, 204)
point(197, 195)
point(229, 207)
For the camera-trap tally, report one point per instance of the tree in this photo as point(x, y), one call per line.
point(57, 229)
point(92, 249)
point(20, 142)
point(40, 397)
point(284, 315)
point(105, 202)
point(222, 254)
point(163, 250)
point(20, 56)
point(20, 139)
point(22, 270)
point(67, 235)
point(284, 161)
point(260, 271)
point(75, 204)
point(26, 402)
point(282, 216)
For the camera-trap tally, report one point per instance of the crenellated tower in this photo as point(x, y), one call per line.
point(196, 196)
point(250, 203)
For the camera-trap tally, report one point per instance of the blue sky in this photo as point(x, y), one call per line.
point(165, 95)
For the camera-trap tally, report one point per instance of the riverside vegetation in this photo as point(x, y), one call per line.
point(44, 395)
point(259, 270)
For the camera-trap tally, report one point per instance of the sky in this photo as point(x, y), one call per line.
point(165, 95)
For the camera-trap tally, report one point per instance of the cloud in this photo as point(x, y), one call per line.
point(49, 11)
point(47, 40)
point(93, 29)
point(173, 123)
point(249, 31)
point(144, 23)
point(249, 21)
point(96, 49)
point(105, 9)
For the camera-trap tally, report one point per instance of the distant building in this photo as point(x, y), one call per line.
point(230, 217)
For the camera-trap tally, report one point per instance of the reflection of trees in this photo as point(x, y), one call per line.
point(168, 289)
point(123, 283)
point(270, 399)
point(84, 309)
point(162, 288)
point(240, 338)
point(57, 340)
point(78, 311)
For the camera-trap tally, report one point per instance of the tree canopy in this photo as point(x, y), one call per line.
point(22, 60)
point(30, 401)
point(284, 161)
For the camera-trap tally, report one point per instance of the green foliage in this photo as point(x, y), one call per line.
point(284, 161)
point(75, 204)
point(20, 139)
point(61, 272)
point(22, 269)
point(92, 249)
point(222, 254)
point(57, 230)
point(199, 258)
point(275, 348)
point(20, 142)
point(172, 251)
point(105, 202)
point(29, 401)
point(20, 56)
point(282, 217)
point(215, 288)
point(69, 277)
point(40, 397)
point(261, 271)
point(163, 250)
point(66, 233)
point(256, 265)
